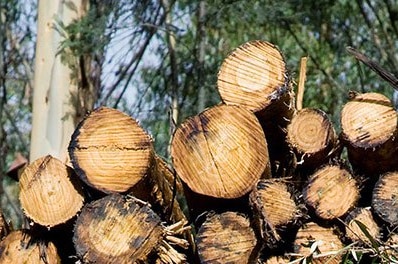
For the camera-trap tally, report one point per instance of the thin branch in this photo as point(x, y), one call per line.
point(384, 74)
point(300, 89)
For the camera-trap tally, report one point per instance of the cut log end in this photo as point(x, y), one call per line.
point(368, 120)
point(110, 151)
point(116, 229)
point(255, 69)
point(385, 198)
point(221, 152)
point(321, 244)
point(48, 194)
point(274, 207)
point(331, 192)
point(20, 247)
point(226, 238)
point(312, 136)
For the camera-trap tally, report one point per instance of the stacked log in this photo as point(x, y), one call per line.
point(255, 76)
point(262, 182)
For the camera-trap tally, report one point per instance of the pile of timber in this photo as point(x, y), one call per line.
point(252, 180)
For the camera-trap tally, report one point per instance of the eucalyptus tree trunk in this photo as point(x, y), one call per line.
point(201, 55)
point(53, 107)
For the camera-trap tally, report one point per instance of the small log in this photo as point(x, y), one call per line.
point(355, 232)
point(254, 76)
point(274, 208)
point(110, 151)
point(312, 137)
point(227, 238)
point(119, 229)
point(331, 191)
point(49, 194)
point(385, 198)
point(369, 129)
point(221, 152)
point(20, 247)
point(318, 244)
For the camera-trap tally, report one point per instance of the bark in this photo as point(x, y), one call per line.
point(331, 192)
point(53, 112)
point(48, 193)
point(227, 238)
point(221, 152)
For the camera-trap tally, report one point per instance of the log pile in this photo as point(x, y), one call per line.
point(262, 181)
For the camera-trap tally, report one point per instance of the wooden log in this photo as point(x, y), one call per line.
point(318, 244)
point(254, 76)
point(110, 151)
point(359, 219)
point(274, 208)
point(385, 198)
point(49, 193)
point(20, 247)
point(227, 238)
point(369, 129)
point(312, 137)
point(121, 229)
point(331, 191)
point(221, 152)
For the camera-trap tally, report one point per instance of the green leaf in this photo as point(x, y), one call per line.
point(364, 230)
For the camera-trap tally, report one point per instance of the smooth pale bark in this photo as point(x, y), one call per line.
point(53, 107)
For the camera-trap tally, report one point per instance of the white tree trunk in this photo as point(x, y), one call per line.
point(53, 109)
